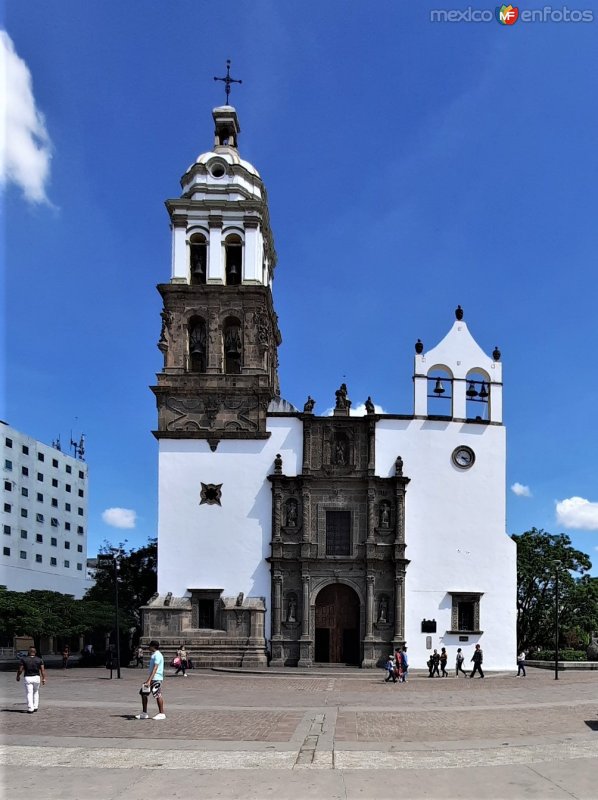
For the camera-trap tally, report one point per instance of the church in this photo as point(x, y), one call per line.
point(286, 538)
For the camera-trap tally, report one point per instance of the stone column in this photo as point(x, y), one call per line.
point(306, 533)
point(371, 514)
point(305, 609)
point(180, 261)
point(369, 607)
point(372, 448)
point(399, 608)
point(215, 260)
point(277, 514)
point(277, 606)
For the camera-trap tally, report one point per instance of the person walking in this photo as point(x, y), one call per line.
point(443, 660)
point(35, 674)
point(477, 658)
point(435, 664)
point(153, 683)
point(521, 664)
point(139, 657)
point(66, 652)
point(404, 663)
point(390, 668)
point(182, 657)
point(459, 663)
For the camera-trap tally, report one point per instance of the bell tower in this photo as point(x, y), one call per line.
point(219, 332)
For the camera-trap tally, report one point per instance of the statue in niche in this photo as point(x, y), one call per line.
point(383, 609)
point(166, 323)
point(340, 452)
point(342, 401)
point(278, 464)
point(292, 610)
point(291, 513)
point(308, 408)
point(384, 515)
point(369, 406)
point(399, 466)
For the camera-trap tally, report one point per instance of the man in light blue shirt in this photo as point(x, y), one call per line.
point(153, 683)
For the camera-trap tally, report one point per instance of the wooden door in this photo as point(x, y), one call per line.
point(337, 625)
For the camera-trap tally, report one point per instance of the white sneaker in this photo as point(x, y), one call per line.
point(159, 716)
point(185, 675)
point(143, 715)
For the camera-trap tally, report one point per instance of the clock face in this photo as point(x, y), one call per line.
point(463, 457)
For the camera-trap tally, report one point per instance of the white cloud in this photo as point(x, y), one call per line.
point(25, 146)
point(577, 512)
point(120, 517)
point(520, 490)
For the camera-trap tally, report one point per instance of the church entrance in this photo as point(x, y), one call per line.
point(337, 625)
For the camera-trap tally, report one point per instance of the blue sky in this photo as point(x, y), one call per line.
point(410, 166)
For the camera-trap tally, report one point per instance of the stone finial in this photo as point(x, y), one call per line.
point(419, 347)
point(459, 313)
point(496, 354)
point(278, 464)
point(399, 467)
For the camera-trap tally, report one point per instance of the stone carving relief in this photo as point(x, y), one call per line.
point(291, 513)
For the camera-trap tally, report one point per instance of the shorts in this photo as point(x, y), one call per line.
point(155, 688)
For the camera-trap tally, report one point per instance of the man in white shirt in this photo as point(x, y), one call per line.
point(153, 683)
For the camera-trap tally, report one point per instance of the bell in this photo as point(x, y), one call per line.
point(439, 388)
point(484, 391)
point(198, 271)
point(471, 391)
point(233, 270)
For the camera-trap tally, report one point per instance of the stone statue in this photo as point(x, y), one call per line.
point(369, 406)
point(308, 408)
point(340, 453)
point(240, 598)
point(166, 323)
point(278, 464)
point(399, 466)
point(383, 609)
point(384, 515)
point(342, 401)
point(291, 513)
point(292, 610)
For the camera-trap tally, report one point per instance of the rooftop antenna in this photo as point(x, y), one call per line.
point(227, 81)
point(56, 444)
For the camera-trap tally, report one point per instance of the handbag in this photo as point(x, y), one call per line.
point(176, 662)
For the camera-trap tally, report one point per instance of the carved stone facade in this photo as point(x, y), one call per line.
point(338, 542)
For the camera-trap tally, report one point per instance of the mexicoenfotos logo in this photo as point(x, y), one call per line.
point(507, 15)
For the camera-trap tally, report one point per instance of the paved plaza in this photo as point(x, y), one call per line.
point(315, 734)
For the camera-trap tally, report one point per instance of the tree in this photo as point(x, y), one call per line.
point(137, 578)
point(537, 554)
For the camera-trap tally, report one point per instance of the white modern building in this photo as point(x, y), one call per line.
point(319, 538)
point(44, 516)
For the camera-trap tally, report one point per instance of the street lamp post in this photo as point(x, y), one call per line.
point(105, 560)
point(557, 564)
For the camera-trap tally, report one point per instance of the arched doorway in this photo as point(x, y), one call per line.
point(337, 625)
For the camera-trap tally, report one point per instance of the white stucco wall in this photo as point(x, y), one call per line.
point(221, 547)
point(455, 531)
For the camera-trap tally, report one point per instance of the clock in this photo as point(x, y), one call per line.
point(463, 457)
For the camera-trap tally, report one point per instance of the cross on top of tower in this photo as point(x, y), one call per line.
point(227, 80)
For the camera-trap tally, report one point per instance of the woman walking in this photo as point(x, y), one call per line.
point(33, 667)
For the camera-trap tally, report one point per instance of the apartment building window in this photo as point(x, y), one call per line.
point(55, 462)
point(7, 530)
point(25, 450)
point(8, 486)
point(54, 503)
point(8, 464)
point(67, 526)
point(67, 564)
point(6, 551)
point(67, 486)
point(81, 474)
point(54, 522)
point(79, 567)
point(80, 529)
point(39, 537)
point(41, 457)
point(69, 469)
point(24, 491)
point(67, 506)
point(54, 542)
point(53, 562)
point(40, 477)
point(25, 471)
point(80, 512)
point(9, 442)
point(54, 483)
point(39, 517)
point(40, 497)
point(7, 508)
point(67, 545)
point(79, 548)
point(24, 512)
point(38, 558)
point(23, 534)
point(23, 554)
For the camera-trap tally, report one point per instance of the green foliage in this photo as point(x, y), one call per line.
point(564, 655)
point(137, 578)
point(537, 552)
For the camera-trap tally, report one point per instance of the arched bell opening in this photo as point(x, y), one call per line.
point(233, 254)
point(198, 259)
point(233, 346)
point(337, 639)
point(477, 396)
point(198, 345)
point(440, 392)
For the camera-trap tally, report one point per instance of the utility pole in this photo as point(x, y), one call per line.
point(105, 560)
